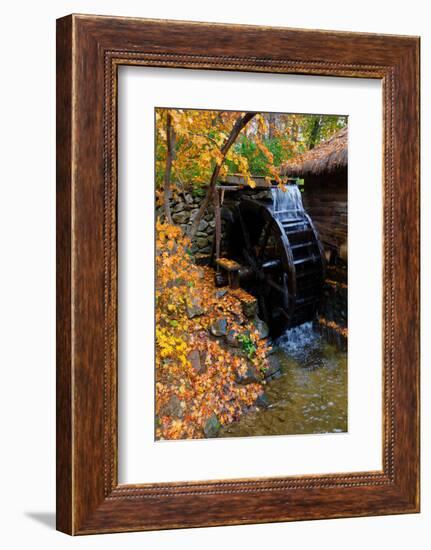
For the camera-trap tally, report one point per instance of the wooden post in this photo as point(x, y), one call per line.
point(232, 269)
point(217, 223)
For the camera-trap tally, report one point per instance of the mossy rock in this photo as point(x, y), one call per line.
point(212, 427)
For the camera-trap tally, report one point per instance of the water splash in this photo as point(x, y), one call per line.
point(301, 343)
point(287, 202)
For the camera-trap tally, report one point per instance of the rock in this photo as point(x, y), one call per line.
point(188, 198)
point(274, 367)
point(193, 214)
point(202, 225)
point(179, 207)
point(205, 250)
point(201, 234)
point(262, 401)
point(271, 349)
point(249, 307)
point(219, 327)
point(211, 224)
point(262, 328)
point(198, 362)
point(238, 319)
point(212, 426)
point(180, 217)
point(251, 376)
point(220, 293)
point(232, 339)
point(202, 242)
point(173, 408)
point(194, 307)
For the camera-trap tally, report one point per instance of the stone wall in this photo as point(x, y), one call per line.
point(184, 209)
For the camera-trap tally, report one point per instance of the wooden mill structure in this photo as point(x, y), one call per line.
point(272, 249)
point(324, 171)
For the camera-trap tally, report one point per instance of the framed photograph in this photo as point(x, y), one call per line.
point(237, 274)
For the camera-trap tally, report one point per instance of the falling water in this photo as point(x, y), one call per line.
point(287, 202)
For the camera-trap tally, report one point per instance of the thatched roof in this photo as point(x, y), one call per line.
point(327, 157)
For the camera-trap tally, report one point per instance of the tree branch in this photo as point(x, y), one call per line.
point(239, 125)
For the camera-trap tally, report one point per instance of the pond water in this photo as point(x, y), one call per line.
point(309, 397)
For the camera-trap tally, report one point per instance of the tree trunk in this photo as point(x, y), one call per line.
point(240, 123)
point(314, 132)
point(170, 153)
point(271, 125)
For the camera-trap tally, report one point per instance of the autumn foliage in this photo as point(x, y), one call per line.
point(268, 140)
point(194, 370)
point(202, 377)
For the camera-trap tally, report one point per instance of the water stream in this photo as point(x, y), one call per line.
point(309, 397)
point(287, 202)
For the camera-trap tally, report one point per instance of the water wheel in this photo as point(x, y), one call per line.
point(281, 258)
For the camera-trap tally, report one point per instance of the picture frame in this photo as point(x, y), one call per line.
point(89, 51)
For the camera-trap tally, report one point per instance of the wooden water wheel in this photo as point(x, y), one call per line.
point(281, 258)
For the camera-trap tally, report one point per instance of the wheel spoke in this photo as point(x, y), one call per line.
point(276, 286)
point(276, 259)
point(267, 232)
